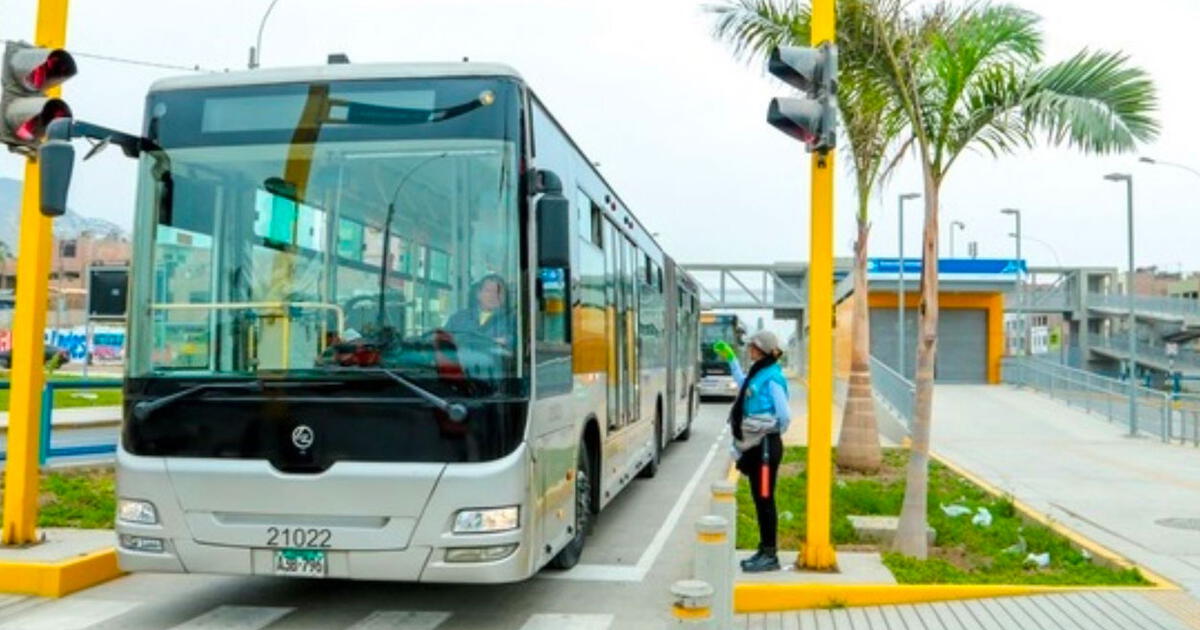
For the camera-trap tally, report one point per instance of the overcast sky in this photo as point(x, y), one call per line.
point(677, 125)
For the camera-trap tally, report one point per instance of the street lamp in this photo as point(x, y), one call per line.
point(1024, 319)
point(256, 51)
point(1149, 160)
point(955, 224)
point(900, 289)
point(1128, 179)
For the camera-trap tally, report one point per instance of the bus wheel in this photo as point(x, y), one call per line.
point(569, 555)
point(651, 468)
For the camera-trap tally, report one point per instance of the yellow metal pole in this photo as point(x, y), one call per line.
point(29, 324)
point(818, 551)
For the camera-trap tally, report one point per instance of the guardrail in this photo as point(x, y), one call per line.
point(1183, 307)
point(45, 450)
point(893, 390)
point(1169, 416)
point(1185, 359)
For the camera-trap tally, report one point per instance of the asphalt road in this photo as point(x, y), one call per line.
point(639, 547)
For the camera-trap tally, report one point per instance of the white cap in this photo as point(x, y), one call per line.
point(766, 341)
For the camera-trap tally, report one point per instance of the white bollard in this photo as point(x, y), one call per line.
point(692, 605)
point(712, 563)
point(724, 504)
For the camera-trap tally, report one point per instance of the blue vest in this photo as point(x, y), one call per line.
point(758, 395)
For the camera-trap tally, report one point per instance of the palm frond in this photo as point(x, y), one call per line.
point(1094, 101)
point(753, 27)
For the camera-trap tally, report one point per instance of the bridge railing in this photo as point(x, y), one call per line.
point(893, 390)
point(1168, 416)
point(1186, 359)
point(1183, 307)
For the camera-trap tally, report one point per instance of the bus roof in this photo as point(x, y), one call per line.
point(334, 72)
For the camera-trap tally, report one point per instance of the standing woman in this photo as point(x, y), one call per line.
point(758, 418)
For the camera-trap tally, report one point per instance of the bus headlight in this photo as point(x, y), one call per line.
point(134, 511)
point(486, 521)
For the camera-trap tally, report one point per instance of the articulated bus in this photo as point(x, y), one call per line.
point(716, 379)
point(387, 322)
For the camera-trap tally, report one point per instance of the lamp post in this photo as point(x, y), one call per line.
point(900, 290)
point(1132, 367)
point(256, 51)
point(1149, 160)
point(1024, 319)
point(955, 224)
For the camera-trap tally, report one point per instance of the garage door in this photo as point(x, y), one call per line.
point(962, 343)
point(962, 346)
point(884, 338)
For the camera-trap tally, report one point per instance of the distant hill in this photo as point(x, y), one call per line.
point(69, 225)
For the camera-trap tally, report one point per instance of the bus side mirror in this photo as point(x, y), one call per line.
point(56, 158)
point(553, 223)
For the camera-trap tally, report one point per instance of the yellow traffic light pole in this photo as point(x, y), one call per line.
point(29, 324)
point(818, 550)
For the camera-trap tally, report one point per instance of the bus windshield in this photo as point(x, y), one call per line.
point(300, 228)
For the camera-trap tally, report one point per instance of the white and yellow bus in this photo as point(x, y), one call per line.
point(386, 322)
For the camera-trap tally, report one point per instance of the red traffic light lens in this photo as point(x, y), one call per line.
point(34, 127)
point(58, 67)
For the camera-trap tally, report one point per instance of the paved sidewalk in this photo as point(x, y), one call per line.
point(1136, 496)
point(1095, 610)
point(77, 417)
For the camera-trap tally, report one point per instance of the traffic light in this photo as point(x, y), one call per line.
point(812, 118)
point(25, 110)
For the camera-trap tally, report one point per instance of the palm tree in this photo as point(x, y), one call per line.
point(969, 78)
point(872, 122)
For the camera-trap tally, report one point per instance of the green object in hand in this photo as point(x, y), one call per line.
point(724, 350)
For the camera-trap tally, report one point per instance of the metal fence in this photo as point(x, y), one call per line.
point(1184, 359)
point(1184, 307)
point(1166, 415)
point(893, 390)
point(45, 449)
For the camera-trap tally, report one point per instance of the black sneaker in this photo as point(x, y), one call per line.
point(752, 559)
point(768, 561)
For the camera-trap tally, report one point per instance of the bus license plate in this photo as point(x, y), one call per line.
point(300, 562)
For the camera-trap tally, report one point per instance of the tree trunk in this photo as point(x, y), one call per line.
point(911, 532)
point(858, 444)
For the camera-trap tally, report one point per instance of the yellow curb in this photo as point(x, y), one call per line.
point(1096, 549)
point(756, 598)
point(55, 579)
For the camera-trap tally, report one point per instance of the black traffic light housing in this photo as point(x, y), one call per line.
point(25, 109)
point(813, 118)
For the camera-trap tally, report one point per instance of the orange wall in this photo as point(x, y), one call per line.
point(993, 303)
point(843, 323)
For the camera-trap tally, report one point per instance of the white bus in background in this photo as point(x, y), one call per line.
point(387, 322)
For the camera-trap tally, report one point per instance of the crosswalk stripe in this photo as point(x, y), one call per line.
point(235, 618)
point(568, 622)
point(401, 620)
point(73, 613)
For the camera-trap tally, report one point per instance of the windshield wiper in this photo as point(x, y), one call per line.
point(143, 408)
point(456, 411)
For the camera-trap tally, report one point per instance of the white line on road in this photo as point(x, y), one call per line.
point(236, 618)
point(637, 572)
point(401, 620)
point(568, 622)
point(69, 614)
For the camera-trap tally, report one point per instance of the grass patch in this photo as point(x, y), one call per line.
point(83, 498)
point(64, 398)
point(963, 554)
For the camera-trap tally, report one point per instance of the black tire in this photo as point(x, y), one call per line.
point(569, 556)
point(651, 468)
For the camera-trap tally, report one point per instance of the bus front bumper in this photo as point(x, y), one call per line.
point(192, 536)
point(717, 386)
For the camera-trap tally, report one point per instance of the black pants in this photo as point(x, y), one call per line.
point(750, 464)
